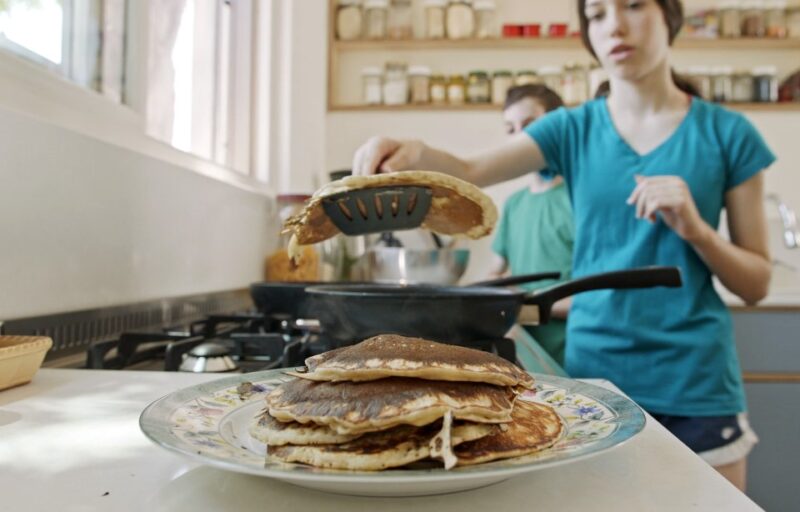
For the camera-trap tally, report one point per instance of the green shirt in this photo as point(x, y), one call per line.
point(535, 234)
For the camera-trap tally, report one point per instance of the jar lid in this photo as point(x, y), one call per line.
point(376, 3)
point(478, 72)
point(503, 72)
point(765, 70)
point(456, 77)
point(550, 70)
point(484, 5)
point(526, 72)
point(435, 3)
point(741, 72)
point(419, 70)
point(372, 71)
point(438, 77)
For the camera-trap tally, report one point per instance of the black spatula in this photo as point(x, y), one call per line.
point(379, 209)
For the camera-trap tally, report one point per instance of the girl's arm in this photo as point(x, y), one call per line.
point(516, 157)
point(743, 264)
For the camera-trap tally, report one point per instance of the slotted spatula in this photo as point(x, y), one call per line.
point(379, 209)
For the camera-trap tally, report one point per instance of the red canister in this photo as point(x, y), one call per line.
point(532, 30)
point(557, 30)
point(511, 30)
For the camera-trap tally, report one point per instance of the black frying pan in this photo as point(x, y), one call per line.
point(290, 297)
point(456, 314)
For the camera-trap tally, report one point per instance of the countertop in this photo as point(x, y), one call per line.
point(70, 441)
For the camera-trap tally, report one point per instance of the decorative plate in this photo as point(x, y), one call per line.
point(209, 422)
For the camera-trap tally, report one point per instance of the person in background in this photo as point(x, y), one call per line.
point(536, 232)
point(649, 169)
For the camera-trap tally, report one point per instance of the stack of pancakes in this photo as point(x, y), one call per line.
point(391, 401)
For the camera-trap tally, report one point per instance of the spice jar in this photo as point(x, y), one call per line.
point(551, 77)
point(484, 19)
point(434, 18)
point(372, 85)
point(753, 19)
point(502, 81)
point(574, 86)
point(460, 20)
point(479, 88)
point(395, 84)
point(525, 77)
point(277, 266)
point(456, 90)
point(438, 90)
point(793, 21)
point(730, 20)
point(765, 84)
point(701, 77)
point(776, 18)
point(349, 20)
point(399, 23)
point(742, 86)
point(721, 83)
point(420, 78)
point(376, 18)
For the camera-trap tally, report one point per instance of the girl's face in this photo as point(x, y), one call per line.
point(629, 37)
point(521, 114)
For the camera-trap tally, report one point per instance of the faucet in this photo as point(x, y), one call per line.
point(791, 236)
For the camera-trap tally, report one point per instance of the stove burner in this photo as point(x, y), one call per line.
point(208, 357)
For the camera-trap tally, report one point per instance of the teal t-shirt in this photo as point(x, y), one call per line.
point(535, 234)
point(670, 349)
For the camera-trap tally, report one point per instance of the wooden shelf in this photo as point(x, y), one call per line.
point(555, 43)
point(763, 107)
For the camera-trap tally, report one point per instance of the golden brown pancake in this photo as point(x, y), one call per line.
point(272, 432)
point(359, 407)
point(534, 427)
point(386, 449)
point(457, 207)
point(391, 355)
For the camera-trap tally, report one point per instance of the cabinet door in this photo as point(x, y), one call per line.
point(768, 341)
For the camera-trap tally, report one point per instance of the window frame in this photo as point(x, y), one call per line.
point(33, 85)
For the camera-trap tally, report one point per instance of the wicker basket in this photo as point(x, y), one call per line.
point(20, 357)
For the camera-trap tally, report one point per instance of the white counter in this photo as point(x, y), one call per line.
point(70, 441)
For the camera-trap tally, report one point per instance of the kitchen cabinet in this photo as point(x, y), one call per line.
point(768, 341)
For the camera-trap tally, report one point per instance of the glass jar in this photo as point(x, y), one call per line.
point(395, 84)
point(730, 19)
point(277, 266)
point(438, 90)
point(765, 84)
point(372, 85)
point(502, 81)
point(742, 87)
point(460, 20)
point(721, 83)
point(456, 90)
point(399, 24)
point(574, 85)
point(349, 20)
point(753, 19)
point(479, 88)
point(793, 21)
point(435, 11)
point(701, 77)
point(551, 77)
point(526, 77)
point(376, 18)
point(420, 78)
point(484, 19)
point(776, 18)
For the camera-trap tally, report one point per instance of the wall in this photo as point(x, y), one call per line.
point(84, 224)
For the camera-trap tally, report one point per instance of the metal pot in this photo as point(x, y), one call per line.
point(411, 266)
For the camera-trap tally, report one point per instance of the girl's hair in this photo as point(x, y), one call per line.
point(673, 17)
point(549, 99)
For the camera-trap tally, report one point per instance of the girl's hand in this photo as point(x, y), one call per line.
point(381, 154)
point(669, 196)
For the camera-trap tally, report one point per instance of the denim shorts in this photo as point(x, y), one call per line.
point(719, 440)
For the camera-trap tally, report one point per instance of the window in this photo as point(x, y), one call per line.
point(82, 40)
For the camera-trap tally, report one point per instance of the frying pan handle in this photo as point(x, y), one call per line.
point(520, 279)
point(647, 277)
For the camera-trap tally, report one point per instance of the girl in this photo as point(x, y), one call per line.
point(649, 168)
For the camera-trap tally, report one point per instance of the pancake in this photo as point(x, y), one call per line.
point(357, 408)
point(391, 355)
point(457, 207)
point(272, 432)
point(386, 449)
point(534, 427)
